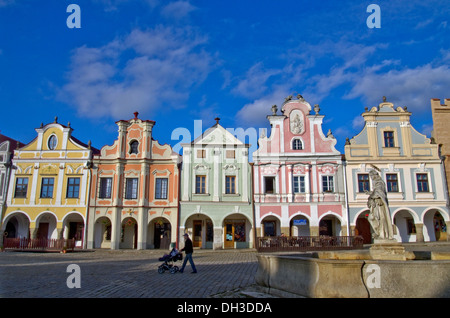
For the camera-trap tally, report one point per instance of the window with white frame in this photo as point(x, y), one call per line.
point(328, 183)
point(105, 188)
point(161, 188)
point(230, 184)
point(21, 188)
point(131, 188)
point(52, 142)
point(269, 185)
point(299, 184)
point(200, 184)
point(134, 147)
point(297, 144)
point(422, 182)
point(389, 139)
point(392, 182)
point(363, 182)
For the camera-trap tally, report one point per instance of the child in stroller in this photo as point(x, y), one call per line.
point(168, 260)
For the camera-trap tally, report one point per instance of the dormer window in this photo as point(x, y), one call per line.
point(134, 145)
point(52, 142)
point(297, 144)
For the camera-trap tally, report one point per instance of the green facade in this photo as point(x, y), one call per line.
point(216, 182)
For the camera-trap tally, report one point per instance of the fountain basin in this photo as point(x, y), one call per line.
point(354, 274)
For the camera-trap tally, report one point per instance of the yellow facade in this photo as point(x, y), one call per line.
point(49, 186)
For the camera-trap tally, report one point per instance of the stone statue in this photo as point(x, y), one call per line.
point(379, 216)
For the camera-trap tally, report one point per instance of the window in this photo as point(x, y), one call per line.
point(299, 184)
point(105, 188)
point(327, 184)
point(269, 184)
point(73, 188)
point(200, 184)
point(230, 186)
point(161, 188)
point(201, 153)
point(422, 182)
point(297, 144)
point(47, 187)
point(134, 145)
point(131, 188)
point(363, 182)
point(230, 154)
point(389, 139)
point(21, 188)
point(392, 182)
point(52, 142)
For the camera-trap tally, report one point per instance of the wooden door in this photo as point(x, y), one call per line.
point(197, 233)
point(229, 235)
point(42, 232)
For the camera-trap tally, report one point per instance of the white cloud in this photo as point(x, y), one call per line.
point(142, 71)
point(255, 112)
point(352, 68)
point(253, 84)
point(178, 9)
point(4, 3)
point(411, 87)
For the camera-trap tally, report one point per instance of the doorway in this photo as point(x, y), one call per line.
point(162, 235)
point(326, 227)
point(42, 232)
point(197, 233)
point(235, 232)
point(363, 229)
point(229, 235)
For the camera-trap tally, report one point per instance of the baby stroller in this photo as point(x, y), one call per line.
point(168, 260)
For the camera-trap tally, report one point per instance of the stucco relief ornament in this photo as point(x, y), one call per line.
point(296, 125)
point(379, 216)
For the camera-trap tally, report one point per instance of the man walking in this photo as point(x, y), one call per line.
point(188, 249)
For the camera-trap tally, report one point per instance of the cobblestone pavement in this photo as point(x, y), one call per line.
point(124, 273)
point(134, 274)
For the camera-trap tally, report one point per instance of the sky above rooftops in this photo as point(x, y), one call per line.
point(182, 62)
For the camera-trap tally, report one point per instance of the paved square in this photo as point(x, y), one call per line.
point(124, 273)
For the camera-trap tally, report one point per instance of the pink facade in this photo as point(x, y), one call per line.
point(298, 174)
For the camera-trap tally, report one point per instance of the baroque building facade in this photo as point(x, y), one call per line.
point(7, 147)
point(49, 186)
point(215, 201)
point(134, 192)
point(412, 169)
point(299, 186)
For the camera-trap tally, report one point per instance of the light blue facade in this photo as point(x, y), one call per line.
point(410, 165)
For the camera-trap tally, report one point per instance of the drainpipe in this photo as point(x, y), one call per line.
point(252, 191)
point(177, 242)
point(344, 165)
point(87, 210)
point(89, 165)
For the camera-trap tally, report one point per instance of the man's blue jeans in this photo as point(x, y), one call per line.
point(188, 257)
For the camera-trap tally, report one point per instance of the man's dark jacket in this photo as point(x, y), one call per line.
point(188, 249)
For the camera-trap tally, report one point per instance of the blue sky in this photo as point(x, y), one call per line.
point(180, 61)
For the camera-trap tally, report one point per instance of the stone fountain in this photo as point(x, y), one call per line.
point(385, 270)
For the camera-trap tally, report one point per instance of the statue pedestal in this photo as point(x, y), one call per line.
point(389, 250)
